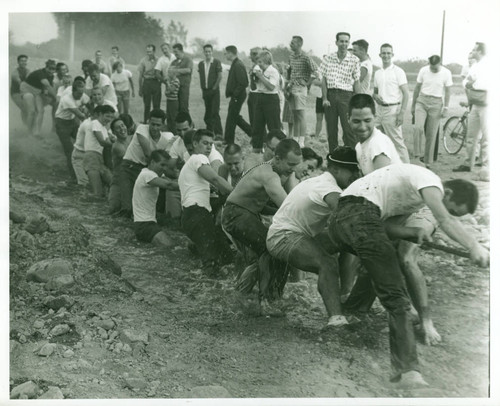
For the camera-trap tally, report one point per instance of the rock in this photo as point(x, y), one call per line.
point(113, 335)
point(107, 324)
point(60, 283)
point(27, 389)
point(47, 350)
point(68, 353)
point(132, 336)
point(127, 348)
point(17, 217)
point(13, 346)
point(135, 382)
point(106, 262)
point(57, 303)
point(52, 393)
point(24, 238)
point(37, 225)
point(211, 391)
point(79, 345)
point(59, 330)
point(22, 339)
point(102, 332)
point(38, 324)
point(48, 269)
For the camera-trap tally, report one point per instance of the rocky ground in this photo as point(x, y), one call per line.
point(96, 314)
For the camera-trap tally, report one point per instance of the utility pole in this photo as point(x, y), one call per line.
point(72, 40)
point(442, 35)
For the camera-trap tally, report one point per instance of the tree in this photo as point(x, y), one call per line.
point(176, 33)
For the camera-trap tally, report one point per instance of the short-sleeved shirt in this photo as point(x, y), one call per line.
point(68, 102)
point(144, 196)
point(388, 81)
point(121, 80)
point(85, 127)
point(103, 67)
point(304, 210)
point(35, 78)
point(434, 83)
point(18, 75)
point(163, 64)
point(104, 81)
point(378, 143)
point(135, 152)
point(273, 76)
point(395, 189)
point(302, 67)
point(365, 83)
point(340, 74)
point(178, 150)
point(91, 143)
point(194, 189)
point(147, 67)
point(480, 75)
point(183, 63)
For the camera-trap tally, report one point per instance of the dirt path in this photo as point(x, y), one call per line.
point(170, 332)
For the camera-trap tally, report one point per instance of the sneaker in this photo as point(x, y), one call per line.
point(337, 321)
point(462, 168)
point(411, 380)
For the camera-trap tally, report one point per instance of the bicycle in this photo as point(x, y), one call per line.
point(455, 132)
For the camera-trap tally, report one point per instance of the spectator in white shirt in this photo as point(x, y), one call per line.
point(360, 49)
point(433, 81)
point(98, 79)
point(391, 94)
point(124, 86)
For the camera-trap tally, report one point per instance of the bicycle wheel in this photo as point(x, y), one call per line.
point(454, 133)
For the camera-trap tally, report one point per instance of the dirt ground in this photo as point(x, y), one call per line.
point(170, 332)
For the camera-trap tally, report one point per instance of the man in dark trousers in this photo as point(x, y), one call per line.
point(210, 70)
point(237, 82)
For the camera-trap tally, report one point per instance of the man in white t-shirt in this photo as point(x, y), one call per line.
point(358, 227)
point(298, 236)
point(433, 82)
point(197, 220)
point(70, 109)
point(95, 141)
point(360, 49)
point(98, 79)
point(147, 138)
point(145, 194)
point(390, 91)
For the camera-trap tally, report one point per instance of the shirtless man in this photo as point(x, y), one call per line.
point(298, 235)
point(241, 213)
point(358, 227)
point(376, 150)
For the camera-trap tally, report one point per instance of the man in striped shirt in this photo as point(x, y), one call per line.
point(341, 74)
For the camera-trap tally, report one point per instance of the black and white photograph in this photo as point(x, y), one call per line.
point(273, 203)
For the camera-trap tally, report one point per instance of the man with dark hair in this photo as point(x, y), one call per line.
point(232, 168)
point(433, 82)
point(477, 83)
point(359, 227)
point(391, 94)
point(19, 75)
point(302, 71)
point(241, 213)
point(197, 221)
point(69, 115)
point(85, 67)
point(115, 57)
point(341, 74)
point(147, 138)
point(210, 70)
point(98, 79)
point(237, 82)
point(360, 49)
point(149, 86)
point(146, 191)
point(183, 69)
point(103, 67)
point(271, 140)
point(298, 235)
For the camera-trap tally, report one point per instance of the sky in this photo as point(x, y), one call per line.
point(414, 32)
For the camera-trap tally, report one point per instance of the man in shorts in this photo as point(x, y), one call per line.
point(249, 199)
point(298, 235)
point(358, 227)
point(145, 195)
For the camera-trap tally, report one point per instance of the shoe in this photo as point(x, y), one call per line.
point(462, 168)
point(411, 380)
point(337, 321)
point(421, 159)
point(478, 164)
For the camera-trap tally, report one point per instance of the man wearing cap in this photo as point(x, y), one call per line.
point(391, 94)
point(298, 235)
point(433, 81)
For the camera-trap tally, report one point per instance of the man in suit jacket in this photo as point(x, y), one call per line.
point(210, 70)
point(237, 82)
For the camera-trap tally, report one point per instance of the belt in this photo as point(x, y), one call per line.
point(334, 89)
point(390, 104)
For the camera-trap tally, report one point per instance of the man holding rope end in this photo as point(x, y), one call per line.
point(359, 227)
